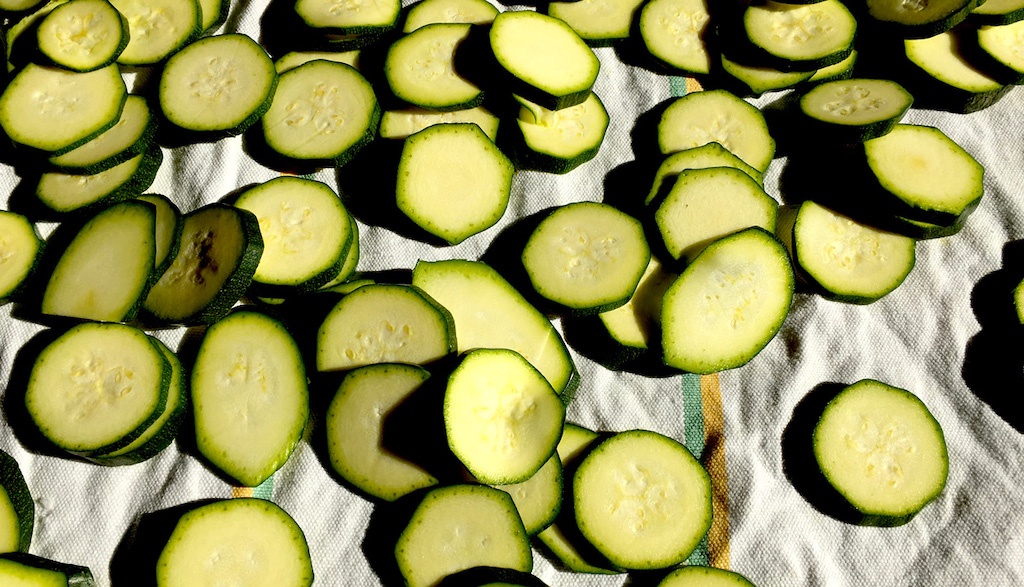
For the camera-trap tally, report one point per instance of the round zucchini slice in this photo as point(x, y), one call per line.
point(127, 139)
point(420, 69)
point(349, 18)
point(702, 157)
point(427, 12)
point(83, 35)
point(538, 499)
point(600, 23)
point(157, 28)
point(801, 37)
point(70, 192)
point(400, 124)
point(882, 450)
point(694, 576)
point(673, 32)
point(918, 19)
point(17, 510)
point(558, 141)
point(21, 568)
point(854, 110)
point(956, 83)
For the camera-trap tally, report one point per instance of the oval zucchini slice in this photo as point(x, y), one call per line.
point(918, 19)
point(854, 110)
point(130, 137)
point(673, 32)
point(600, 23)
point(17, 510)
point(20, 246)
point(420, 69)
point(355, 18)
point(69, 192)
point(538, 499)
point(400, 124)
point(157, 28)
point(83, 35)
point(801, 37)
point(558, 141)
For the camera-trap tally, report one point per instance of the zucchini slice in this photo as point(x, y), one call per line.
point(400, 124)
point(106, 270)
point(755, 80)
point(130, 137)
point(69, 192)
point(642, 500)
point(558, 141)
point(800, 37)
point(694, 576)
point(419, 69)
point(728, 304)
point(168, 231)
point(293, 59)
point(218, 253)
point(157, 28)
point(460, 527)
point(249, 396)
point(673, 32)
point(1005, 45)
point(491, 577)
point(353, 18)
point(501, 416)
point(20, 247)
point(837, 71)
point(549, 63)
point(854, 110)
point(882, 450)
point(248, 540)
point(83, 35)
point(600, 23)
point(17, 510)
point(427, 12)
point(947, 80)
point(218, 84)
point(21, 568)
point(918, 19)
point(97, 388)
point(634, 324)
point(997, 12)
point(702, 157)
point(214, 13)
point(538, 499)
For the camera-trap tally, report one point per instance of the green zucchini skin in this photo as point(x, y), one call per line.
point(14, 293)
point(142, 145)
point(77, 576)
point(874, 27)
point(12, 481)
point(485, 576)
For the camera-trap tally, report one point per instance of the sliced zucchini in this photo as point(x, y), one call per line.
point(106, 270)
point(306, 232)
point(17, 510)
point(57, 110)
point(882, 450)
point(419, 68)
point(598, 22)
point(854, 110)
point(538, 499)
point(399, 124)
point(642, 500)
point(355, 421)
point(478, 298)
point(728, 304)
point(384, 324)
point(157, 28)
point(550, 63)
point(674, 31)
point(321, 110)
point(918, 19)
point(68, 192)
point(130, 137)
point(249, 541)
point(756, 80)
point(1018, 301)
point(427, 12)
point(20, 568)
point(702, 157)
point(349, 265)
point(800, 37)
point(168, 231)
point(83, 35)
point(587, 257)
point(97, 388)
point(249, 396)
point(354, 18)
point(558, 141)
point(705, 205)
point(634, 324)
point(17, 6)
point(952, 82)
point(218, 253)
point(501, 416)
point(838, 71)
point(293, 59)
point(20, 247)
point(491, 577)
point(717, 116)
point(997, 12)
point(453, 182)
point(214, 13)
point(695, 576)
point(460, 527)
point(1005, 46)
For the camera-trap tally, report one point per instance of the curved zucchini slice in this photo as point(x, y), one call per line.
point(21, 568)
point(558, 141)
point(56, 110)
point(354, 18)
point(427, 12)
point(673, 32)
point(694, 576)
point(168, 231)
point(460, 527)
point(702, 157)
point(728, 304)
point(837, 71)
point(491, 577)
point(214, 13)
point(755, 80)
point(218, 253)
point(157, 28)
point(600, 23)
point(634, 324)
point(68, 192)
point(997, 12)
point(917, 19)
point(249, 540)
point(400, 124)
point(83, 35)
point(20, 246)
point(18, 6)
point(419, 68)
point(538, 499)
point(218, 84)
point(17, 510)
point(249, 396)
point(97, 388)
point(882, 450)
point(951, 81)
point(130, 137)
point(293, 59)
point(1005, 46)
point(801, 37)
point(854, 110)
point(550, 63)
point(717, 116)
point(642, 500)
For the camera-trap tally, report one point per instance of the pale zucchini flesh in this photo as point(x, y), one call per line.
point(634, 324)
point(855, 109)
point(20, 569)
point(1005, 44)
point(758, 79)
point(68, 192)
point(538, 499)
point(702, 157)
point(558, 141)
point(420, 68)
point(695, 576)
point(598, 22)
point(938, 56)
point(19, 248)
point(168, 230)
point(804, 36)
point(125, 140)
point(83, 35)
point(673, 31)
point(360, 16)
point(157, 28)
point(17, 508)
point(399, 124)
point(293, 59)
point(427, 12)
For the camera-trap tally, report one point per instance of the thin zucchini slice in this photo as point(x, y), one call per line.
point(384, 324)
point(642, 500)
point(1005, 45)
point(427, 12)
point(917, 20)
point(702, 157)
point(634, 324)
point(218, 253)
point(419, 68)
point(558, 141)
point(598, 22)
point(21, 568)
point(57, 110)
point(97, 388)
point(755, 80)
point(502, 418)
point(248, 540)
point(83, 35)
point(882, 450)
point(17, 510)
point(838, 71)
point(478, 298)
point(321, 110)
point(249, 396)
point(728, 304)
point(801, 37)
point(694, 576)
point(20, 246)
point(491, 577)
point(705, 205)
point(460, 527)
point(130, 137)
point(355, 420)
point(168, 231)
point(17, 6)
point(306, 232)
point(355, 18)
point(69, 192)
point(997, 12)
point(587, 257)
point(953, 82)
point(157, 28)
point(453, 182)
point(400, 124)
point(550, 63)
point(349, 265)
point(717, 116)
point(214, 13)
point(538, 499)
point(106, 270)
point(673, 32)
point(293, 59)
point(854, 110)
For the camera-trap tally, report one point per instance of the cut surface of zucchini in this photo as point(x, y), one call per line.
point(939, 57)
point(321, 110)
point(293, 59)
point(17, 510)
point(399, 124)
point(673, 31)
point(125, 140)
point(359, 17)
point(997, 12)
point(882, 450)
point(453, 182)
point(728, 304)
point(249, 396)
point(855, 109)
point(168, 231)
point(702, 157)
point(420, 68)
point(106, 269)
point(83, 35)
point(222, 83)
point(539, 498)
point(598, 22)
point(694, 576)
point(587, 257)
point(915, 20)
point(758, 79)
point(19, 250)
point(57, 110)
point(382, 323)
point(717, 116)
point(1005, 44)
point(642, 500)
point(69, 192)
point(157, 28)
point(97, 387)
point(355, 420)
point(558, 141)
point(801, 36)
point(213, 12)
point(427, 12)
point(553, 66)
point(501, 416)
point(21, 569)
point(251, 541)
point(461, 527)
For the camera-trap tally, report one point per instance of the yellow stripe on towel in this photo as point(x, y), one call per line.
point(714, 462)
